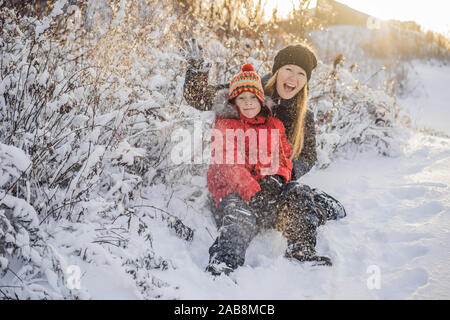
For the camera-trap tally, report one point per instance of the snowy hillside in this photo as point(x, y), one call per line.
point(374, 55)
point(93, 205)
point(429, 105)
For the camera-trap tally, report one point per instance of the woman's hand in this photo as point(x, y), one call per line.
point(193, 53)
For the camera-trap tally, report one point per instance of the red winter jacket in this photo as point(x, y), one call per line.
point(233, 167)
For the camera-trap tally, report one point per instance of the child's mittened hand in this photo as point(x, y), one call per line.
point(272, 182)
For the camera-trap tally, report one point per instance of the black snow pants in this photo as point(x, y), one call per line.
point(294, 209)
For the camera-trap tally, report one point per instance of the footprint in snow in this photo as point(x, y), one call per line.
point(399, 255)
point(421, 213)
point(403, 284)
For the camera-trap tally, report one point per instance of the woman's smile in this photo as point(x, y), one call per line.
point(289, 87)
point(290, 80)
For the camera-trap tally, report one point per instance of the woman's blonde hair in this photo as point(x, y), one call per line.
point(297, 134)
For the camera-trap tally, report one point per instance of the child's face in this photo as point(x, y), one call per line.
point(248, 104)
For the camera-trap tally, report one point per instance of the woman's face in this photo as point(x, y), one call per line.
point(248, 104)
point(290, 80)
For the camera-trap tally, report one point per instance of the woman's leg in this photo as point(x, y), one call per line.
point(298, 220)
point(237, 227)
point(326, 207)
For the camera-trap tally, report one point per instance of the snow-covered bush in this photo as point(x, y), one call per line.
point(352, 117)
point(29, 267)
point(76, 129)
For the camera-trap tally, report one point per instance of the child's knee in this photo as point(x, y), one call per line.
point(233, 209)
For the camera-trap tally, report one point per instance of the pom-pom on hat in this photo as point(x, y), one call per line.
point(246, 80)
point(299, 55)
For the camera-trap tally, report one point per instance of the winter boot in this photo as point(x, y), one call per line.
point(237, 228)
point(216, 269)
point(331, 208)
point(307, 255)
point(221, 263)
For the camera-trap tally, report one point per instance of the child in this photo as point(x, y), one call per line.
point(250, 161)
point(233, 167)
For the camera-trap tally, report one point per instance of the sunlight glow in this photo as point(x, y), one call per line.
point(431, 14)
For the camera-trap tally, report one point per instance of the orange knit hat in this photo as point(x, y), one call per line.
point(246, 80)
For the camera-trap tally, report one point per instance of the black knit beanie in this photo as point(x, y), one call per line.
point(298, 55)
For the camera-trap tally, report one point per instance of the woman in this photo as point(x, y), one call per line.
point(292, 208)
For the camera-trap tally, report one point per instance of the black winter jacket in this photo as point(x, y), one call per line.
point(200, 95)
